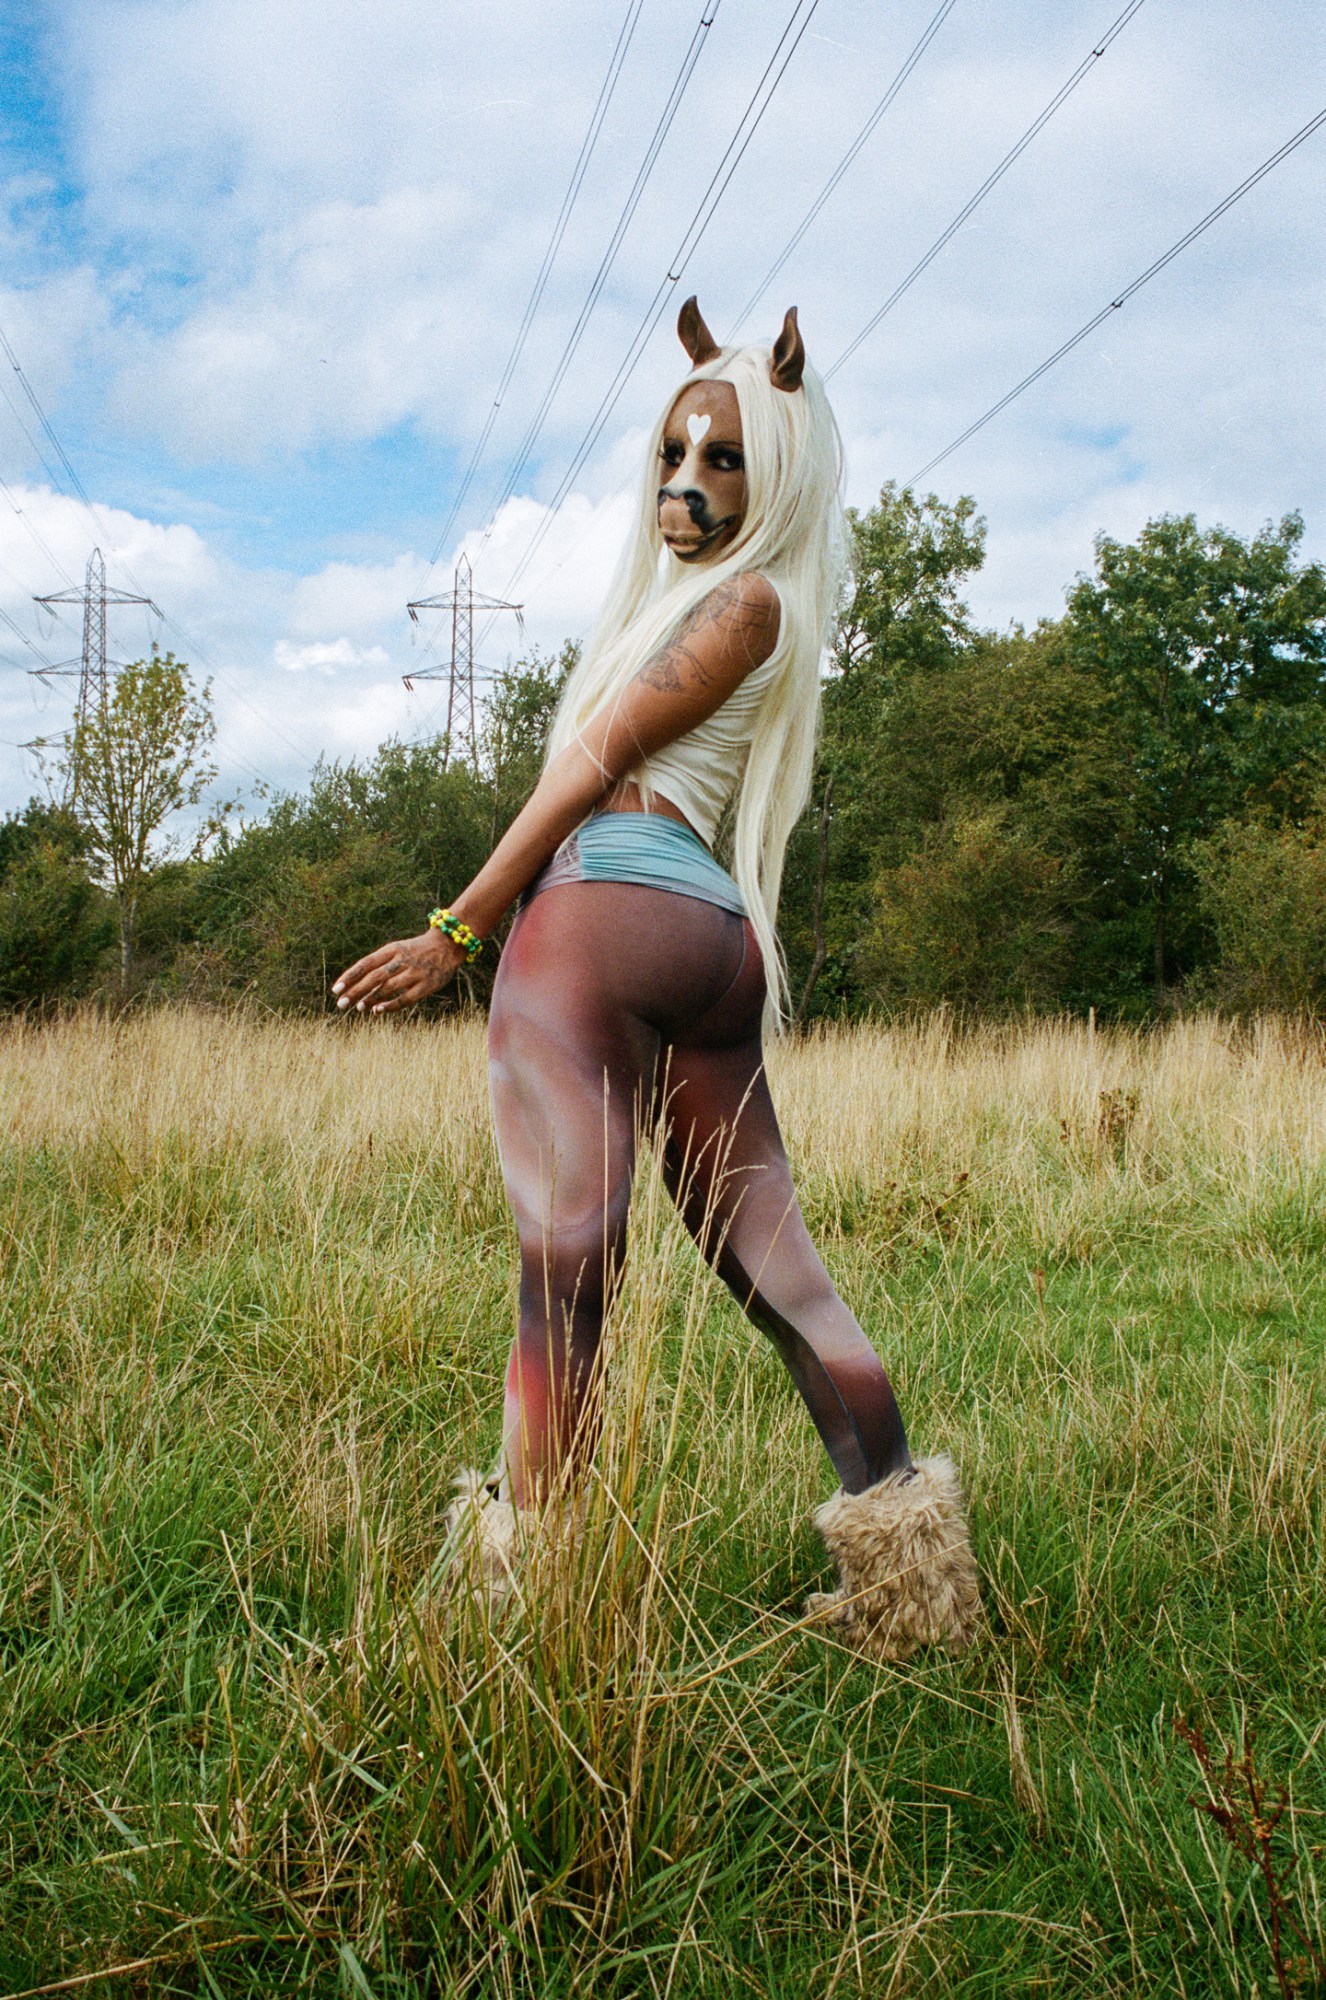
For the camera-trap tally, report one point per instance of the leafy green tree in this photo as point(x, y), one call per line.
point(131, 765)
point(1084, 814)
point(905, 620)
point(1182, 689)
point(1016, 726)
point(1210, 652)
point(326, 876)
point(910, 558)
point(365, 851)
point(307, 916)
point(55, 923)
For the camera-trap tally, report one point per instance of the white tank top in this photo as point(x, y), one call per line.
point(700, 771)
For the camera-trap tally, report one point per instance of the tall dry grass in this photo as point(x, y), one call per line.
point(258, 1287)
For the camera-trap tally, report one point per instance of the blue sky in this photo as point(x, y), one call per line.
point(263, 260)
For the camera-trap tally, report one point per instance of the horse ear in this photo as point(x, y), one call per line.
point(787, 362)
point(695, 336)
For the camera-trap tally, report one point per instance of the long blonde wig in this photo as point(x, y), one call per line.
point(794, 535)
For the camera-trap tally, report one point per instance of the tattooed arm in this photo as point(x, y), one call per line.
point(728, 634)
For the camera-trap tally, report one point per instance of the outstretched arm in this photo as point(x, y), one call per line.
point(728, 635)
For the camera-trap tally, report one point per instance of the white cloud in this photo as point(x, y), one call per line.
point(307, 257)
point(569, 572)
point(355, 598)
point(45, 535)
point(327, 656)
point(340, 331)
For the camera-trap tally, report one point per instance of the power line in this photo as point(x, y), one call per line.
point(913, 58)
point(1038, 123)
point(38, 453)
point(54, 561)
point(197, 657)
point(1152, 270)
point(23, 638)
point(749, 123)
point(461, 673)
point(16, 628)
point(708, 15)
point(41, 417)
point(93, 668)
point(587, 145)
point(908, 65)
point(890, 94)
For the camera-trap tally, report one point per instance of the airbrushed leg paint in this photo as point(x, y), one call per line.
point(614, 1006)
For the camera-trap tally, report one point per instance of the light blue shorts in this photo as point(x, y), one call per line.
point(643, 847)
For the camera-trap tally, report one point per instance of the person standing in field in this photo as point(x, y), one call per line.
point(639, 977)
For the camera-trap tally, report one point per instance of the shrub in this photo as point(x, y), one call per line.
point(55, 923)
point(309, 918)
point(1263, 891)
point(976, 918)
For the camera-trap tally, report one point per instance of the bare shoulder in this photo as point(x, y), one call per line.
point(741, 615)
point(729, 633)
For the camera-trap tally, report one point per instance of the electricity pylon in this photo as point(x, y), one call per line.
point(459, 671)
point(93, 668)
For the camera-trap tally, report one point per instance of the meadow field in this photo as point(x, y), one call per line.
point(258, 1285)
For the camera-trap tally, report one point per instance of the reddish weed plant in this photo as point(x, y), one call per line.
point(1249, 1810)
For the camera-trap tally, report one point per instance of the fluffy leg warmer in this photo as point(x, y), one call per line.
point(908, 1577)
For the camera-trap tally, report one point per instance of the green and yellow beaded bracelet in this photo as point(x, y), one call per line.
point(459, 932)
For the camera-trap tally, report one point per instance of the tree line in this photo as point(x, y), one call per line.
point(1123, 808)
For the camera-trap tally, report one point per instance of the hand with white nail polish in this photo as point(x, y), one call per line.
point(398, 974)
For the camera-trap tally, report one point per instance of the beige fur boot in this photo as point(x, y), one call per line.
point(479, 1512)
point(908, 1577)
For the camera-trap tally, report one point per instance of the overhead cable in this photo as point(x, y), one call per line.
point(913, 58)
point(1038, 123)
point(802, 14)
point(709, 14)
point(21, 635)
point(21, 513)
point(37, 452)
point(41, 417)
point(587, 144)
point(1153, 270)
point(909, 64)
point(100, 527)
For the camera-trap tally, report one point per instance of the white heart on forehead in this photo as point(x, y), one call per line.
point(696, 427)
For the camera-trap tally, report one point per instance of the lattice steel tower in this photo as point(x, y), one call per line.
point(459, 672)
point(93, 669)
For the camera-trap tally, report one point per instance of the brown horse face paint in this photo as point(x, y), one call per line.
point(702, 503)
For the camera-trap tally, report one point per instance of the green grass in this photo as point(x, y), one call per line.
point(257, 1290)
